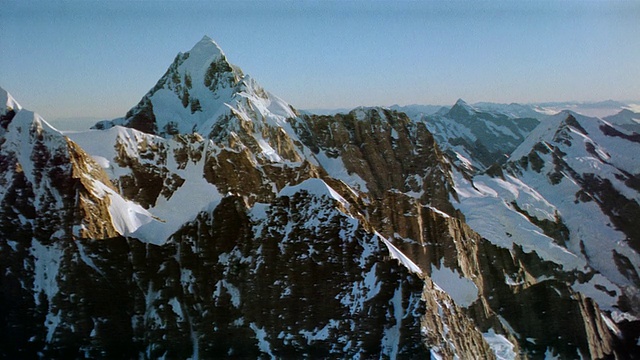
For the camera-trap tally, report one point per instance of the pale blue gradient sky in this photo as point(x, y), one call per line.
point(98, 58)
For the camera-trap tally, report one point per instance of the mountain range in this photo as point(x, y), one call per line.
point(216, 220)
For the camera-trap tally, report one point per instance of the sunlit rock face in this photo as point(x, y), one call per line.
point(214, 220)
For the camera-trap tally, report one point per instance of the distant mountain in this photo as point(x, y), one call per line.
point(595, 109)
point(476, 138)
point(324, 111)
point(214, 220)
point(418, 111)
point(515, 110)
point(626, 119)
point(607, 104)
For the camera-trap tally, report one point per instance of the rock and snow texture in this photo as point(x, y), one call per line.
point(45, 175)
point(226, 224)
point(164, 176)
point(479, 138)
point(8, 103)
point(200, 92)
point(568, 194)
point(588, 170)
point(628, 119)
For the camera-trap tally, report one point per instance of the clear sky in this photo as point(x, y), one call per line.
point(98, 58)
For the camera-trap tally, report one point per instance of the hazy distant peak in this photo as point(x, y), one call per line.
point(461, 108)
point(461, 102)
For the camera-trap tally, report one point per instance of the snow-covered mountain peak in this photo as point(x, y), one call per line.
point(545, 132)
point(24, 121)
point(206, 47)
point(479, 135)
point(461, 102)
point(461, 108)
point(30, 121)
point(204, 59)
point(7, 102)
point(203, 92)
point(628, 119)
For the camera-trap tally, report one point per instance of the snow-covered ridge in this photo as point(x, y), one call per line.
point(395, 253)
point(315, 187)
point(32, 143)
point(7, 102)
point(117, 148)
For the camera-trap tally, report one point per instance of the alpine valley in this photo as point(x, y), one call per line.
point(214, 220)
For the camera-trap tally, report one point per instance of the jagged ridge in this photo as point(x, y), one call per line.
point(265, 185)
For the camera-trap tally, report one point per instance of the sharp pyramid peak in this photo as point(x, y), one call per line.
point(461, 108)
point(201, 57)
point(206, 48)
point(463, 104)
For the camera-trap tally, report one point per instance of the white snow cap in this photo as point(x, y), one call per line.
point(7, 102)
point(206, 51)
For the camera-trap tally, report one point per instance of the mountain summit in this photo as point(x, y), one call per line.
point(206, 51)
point(461, 109)
point(8, 103)
point(219, 222)
point(200, 89)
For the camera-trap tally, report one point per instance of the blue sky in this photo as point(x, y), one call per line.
point(98, 58)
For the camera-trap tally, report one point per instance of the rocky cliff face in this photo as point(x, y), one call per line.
point(220, 223)
point(497, 286)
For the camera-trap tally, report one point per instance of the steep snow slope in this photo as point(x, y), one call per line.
point(8, 103)
point(50, 170)
point(569, 194)
point(165, 176)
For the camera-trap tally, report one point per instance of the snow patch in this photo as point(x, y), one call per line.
point(611, 325)
point(45, 271)
point(315, 187)
point(263, 343)
point(268, 151)
point(319, 334)
point(501, 347)
point(391, 339)
point(336, 169)
point(362, 291)
point(177, 308)
point(86, 259)
point(597, 288)
point(463, 291)
point(126, 216)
